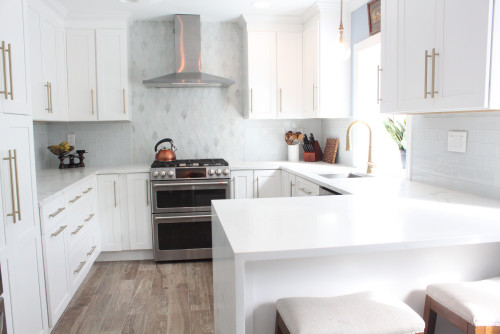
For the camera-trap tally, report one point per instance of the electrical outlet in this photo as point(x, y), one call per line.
point(71, 139)
point(457, 141)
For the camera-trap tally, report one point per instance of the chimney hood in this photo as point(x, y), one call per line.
point(187, 59)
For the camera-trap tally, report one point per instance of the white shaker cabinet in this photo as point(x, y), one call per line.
point(139, 211)
point(387, 74)
point(242, 184)
point(13, 61)
point(267, 183)
point(311, 68)
point(289, 74)
point(82, 82)
point(444, 64)
point(111, 61)
point(22, 231)
point(109, 212)
point(47, 67)
point(305, 188)
point(261, 75)
point(288, 183)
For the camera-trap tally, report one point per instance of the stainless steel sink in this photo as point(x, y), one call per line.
point(344, 176)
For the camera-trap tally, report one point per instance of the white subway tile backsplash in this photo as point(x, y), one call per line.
point(476, 171)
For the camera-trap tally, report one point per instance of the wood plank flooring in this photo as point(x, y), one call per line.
point(142, 297)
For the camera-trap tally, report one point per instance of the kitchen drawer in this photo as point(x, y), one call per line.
point(81, 221)
point(74, 196)
point(306, 188)
point(52, 212)
point(79, 261)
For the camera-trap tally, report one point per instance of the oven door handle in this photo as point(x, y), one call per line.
point(179, 217)
point(222, 183)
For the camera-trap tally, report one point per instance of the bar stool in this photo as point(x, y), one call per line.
point(473, 307)
point(360, 313)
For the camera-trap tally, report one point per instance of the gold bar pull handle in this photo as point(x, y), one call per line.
point(56, 233)
point(92, 99)
point(91, 251)
point(88, 190)
point(114, 190)
point(12, 191)
point(4, 63)
point(258, 195)
point(433, 83)
point(314, 106)
point(124, 102)
point(75, 199)
point(47, 85)
point(77, 230)
point(18, 197)
point(291, 191)
point(57, 212)
point(89, 218)
point(378, 84)
point(50, 90)
point(427, 56)
point(11, 93)
point(147, 193)
point(251, 100)
point(80, 267)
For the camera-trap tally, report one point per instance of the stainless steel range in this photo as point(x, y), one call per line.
point(182, 191)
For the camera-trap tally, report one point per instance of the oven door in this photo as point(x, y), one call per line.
point(188, 196)
point(182, 236)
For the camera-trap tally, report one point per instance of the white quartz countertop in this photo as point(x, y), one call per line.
point(317, 226)
point(50, 182)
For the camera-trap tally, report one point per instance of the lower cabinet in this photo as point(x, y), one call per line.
point(288, 184)
point(125, 212)
point(305, 188)
point(242, 184)
point(71, 243)
point(267, 183)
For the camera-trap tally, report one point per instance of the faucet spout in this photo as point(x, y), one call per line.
point(348, 144)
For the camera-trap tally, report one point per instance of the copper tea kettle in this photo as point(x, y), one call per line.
point(164, 154)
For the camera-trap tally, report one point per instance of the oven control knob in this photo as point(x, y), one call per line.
point(218, 172)
point(170, 173)
point(155, 174)
point(162, 173)
point(225, 171)
point(211, 172)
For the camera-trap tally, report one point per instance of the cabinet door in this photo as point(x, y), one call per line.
point(417, 31)
point(39, 103)
point(310, 68)
point(56, 271)
point(82, 98)
point(289, 74)
point(60, 110)
point(464, 45)
point(111, 47)
point(13, 78)
point(388, 71)
point(262, 74)
point(288, 184)
point(49, 63)
point(267, 183)
point(242, 184)
point(109, 212)
point(139, 211)
point(21, 228)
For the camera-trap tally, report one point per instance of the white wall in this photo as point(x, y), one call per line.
point(476, 171)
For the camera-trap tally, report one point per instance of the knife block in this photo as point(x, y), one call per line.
point(317, 155)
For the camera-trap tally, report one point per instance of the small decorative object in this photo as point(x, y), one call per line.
point(397, 130)
point(312, 150)
point(293, 140)
point(374, 16)
point(62, 151)
point(331, 148)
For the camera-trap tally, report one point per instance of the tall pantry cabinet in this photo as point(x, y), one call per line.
point(20, 244)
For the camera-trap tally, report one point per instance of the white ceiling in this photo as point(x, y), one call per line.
point(217, 10)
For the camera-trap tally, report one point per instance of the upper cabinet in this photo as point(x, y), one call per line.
point(446, 64)
point(274, 74)
point(13, 61)
point(97, 74)
point(388, 70)
point(47, 65)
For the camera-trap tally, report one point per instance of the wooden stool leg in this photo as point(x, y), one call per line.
point(429, 317)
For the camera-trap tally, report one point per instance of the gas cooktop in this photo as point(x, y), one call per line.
point(190, 163)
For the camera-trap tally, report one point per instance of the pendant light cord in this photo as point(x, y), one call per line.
point(341, 27)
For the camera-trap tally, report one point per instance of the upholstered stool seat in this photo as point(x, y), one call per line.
point(478, 303)
point(360, 313)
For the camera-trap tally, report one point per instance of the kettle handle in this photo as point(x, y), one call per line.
point(164, 141)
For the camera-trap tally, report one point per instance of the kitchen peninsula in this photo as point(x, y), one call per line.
point(398, 238)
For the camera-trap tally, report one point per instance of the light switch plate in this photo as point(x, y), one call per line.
point(71, 139)
point(457, 141)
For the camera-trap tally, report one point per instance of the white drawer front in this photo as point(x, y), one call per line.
point(306, 188)
point(52, 213)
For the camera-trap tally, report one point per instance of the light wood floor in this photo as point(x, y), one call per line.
point(141, 297)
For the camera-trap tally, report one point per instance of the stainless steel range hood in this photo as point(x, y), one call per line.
point(187, 59)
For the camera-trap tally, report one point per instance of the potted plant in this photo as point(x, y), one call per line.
point(397, 130)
